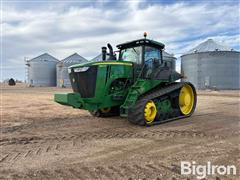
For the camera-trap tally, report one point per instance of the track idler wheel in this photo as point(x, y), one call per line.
point(187, 99)
point(150, 112)
point(143, 113)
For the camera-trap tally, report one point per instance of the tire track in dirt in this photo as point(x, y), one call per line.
point(56, 142)
point(20, 140)
point(4, 158)
point(120, 171)
point(106, 135)
point(29, 152)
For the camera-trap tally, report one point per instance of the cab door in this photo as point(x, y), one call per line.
point(152, 61)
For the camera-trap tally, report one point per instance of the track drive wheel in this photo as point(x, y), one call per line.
point(187, 99)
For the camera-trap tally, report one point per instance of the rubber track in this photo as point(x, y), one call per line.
point(135, 114)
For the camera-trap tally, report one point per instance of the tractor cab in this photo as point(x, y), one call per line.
point(141, 51)
point(147, 58)
point(145, 54)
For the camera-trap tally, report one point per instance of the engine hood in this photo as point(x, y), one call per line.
point(123, 63)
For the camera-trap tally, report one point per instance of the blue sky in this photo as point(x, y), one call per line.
point(62, 28)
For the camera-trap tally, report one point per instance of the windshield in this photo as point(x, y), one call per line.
point(152, 53)
point(133, 54)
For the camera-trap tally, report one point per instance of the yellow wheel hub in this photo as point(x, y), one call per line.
point(105, 110)
point(150, 112)
point(186, 99)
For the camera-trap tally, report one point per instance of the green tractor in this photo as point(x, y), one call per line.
point(138, 85)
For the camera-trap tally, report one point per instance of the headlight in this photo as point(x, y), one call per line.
point(81, 69)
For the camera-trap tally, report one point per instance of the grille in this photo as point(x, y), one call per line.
point(84, 82)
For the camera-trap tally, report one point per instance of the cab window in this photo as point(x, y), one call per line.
point(133, 54)
point(152, 53)
point(151, 56)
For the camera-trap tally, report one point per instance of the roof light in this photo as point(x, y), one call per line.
point(145, 35)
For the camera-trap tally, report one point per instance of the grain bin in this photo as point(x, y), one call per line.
point(211, 65)
point(42, 70)
point(62, 69)
point(169, 59)
point(99, 58)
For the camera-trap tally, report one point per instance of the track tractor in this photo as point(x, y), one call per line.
point(138, 85)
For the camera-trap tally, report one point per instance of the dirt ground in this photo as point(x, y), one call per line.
point(41, 139)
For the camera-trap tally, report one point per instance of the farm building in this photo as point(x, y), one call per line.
point(212, 65)
point(62, 69)
point(41, 70)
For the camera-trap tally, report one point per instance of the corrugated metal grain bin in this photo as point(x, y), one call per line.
point(62, 69)
point(99, 58)
point(42, 70)
point(169, 59)
point(212, 65)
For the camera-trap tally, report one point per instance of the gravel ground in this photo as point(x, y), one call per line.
point(44, 140)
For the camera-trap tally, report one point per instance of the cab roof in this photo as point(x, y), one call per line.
point(139, 42)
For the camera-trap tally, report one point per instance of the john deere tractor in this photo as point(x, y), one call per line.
point(138, 85)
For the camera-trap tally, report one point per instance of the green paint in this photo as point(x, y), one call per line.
point(119, 83)
point(71, 99)
point(140, 87)
point(164, 106)
point(105, 91)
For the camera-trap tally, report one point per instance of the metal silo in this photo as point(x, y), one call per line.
point(62, 69)
point(169, 59)
point(99, 58)
point(42, 70)
point(212, 65)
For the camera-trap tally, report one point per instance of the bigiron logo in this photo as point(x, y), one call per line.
point(201, 171)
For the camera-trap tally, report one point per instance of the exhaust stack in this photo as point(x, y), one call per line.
point(104, 53)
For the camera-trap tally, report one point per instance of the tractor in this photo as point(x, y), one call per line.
point(138, 85)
